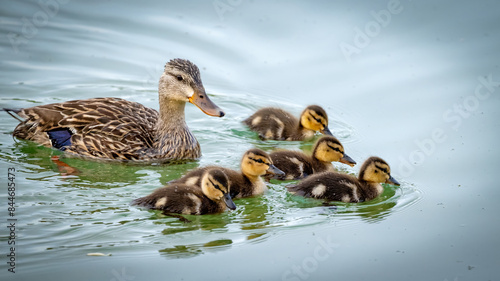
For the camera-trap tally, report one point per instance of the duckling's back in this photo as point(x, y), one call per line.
point(331, 186)
point(273, 123)
point(181, 199)
point(295, 164)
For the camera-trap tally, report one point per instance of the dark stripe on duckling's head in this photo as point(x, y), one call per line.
point(257, 154)
point(219, 180)
point(314, 118)
point(256, 162)
point(320, 112)
point(332, 142)
point(329, 149)
point(375, 169)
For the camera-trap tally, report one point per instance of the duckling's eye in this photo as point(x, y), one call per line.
point(216, 186)
point(382, 169)
point(336, 149)
point(259, 161)
point(179, 78)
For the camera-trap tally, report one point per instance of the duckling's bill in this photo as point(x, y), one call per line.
point(347, 160)
point(393, 181)
point(273, 170)
point(326, 131)
point(203, 102)
point(229, 202)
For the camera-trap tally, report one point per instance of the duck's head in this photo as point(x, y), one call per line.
point(314, 118)
point(256, 162)
point(329, 149)
point(215, 185)
point(376, 170)
point(181, 82)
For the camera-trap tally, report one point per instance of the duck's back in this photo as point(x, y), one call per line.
point(108, 128)
point(273, 123)
point(331, 186)
point(180, 198)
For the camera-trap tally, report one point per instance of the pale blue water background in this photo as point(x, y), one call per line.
point(406, 94)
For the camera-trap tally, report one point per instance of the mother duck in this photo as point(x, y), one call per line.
point(116, 129)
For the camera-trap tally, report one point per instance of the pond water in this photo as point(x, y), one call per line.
point(414, 83)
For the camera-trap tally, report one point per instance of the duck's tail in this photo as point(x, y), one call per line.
point(14, 112)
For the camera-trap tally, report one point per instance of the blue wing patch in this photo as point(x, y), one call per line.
point(60, 138)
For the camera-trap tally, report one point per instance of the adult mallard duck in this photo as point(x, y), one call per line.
point(116, 129)
point(211, 197)
point(297, 165)
point(277, 124)
point(333, 186)
point(254, 164)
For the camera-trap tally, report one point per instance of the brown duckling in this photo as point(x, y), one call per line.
point(254, 164)
point(277, 124)
point(334, 186)
point(209, 198)
point(297, 165)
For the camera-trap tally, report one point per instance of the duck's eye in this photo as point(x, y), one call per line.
point(179, 78)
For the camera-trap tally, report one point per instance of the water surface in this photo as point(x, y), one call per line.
point(407, 95)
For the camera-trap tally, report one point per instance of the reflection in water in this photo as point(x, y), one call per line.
point(187, 251)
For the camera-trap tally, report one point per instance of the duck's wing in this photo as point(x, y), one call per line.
point(101, 127)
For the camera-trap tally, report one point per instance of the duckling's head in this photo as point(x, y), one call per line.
point(215, 185)
point(329, 149)
point(314, 118)
point(376, 170)
point(256, 162)
point(181, 82)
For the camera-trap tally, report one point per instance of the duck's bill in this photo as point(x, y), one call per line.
point(203, 102)
point(229, 202)
point(393, 181)
point(347, 160)
point(273, 170)
point(326, 131)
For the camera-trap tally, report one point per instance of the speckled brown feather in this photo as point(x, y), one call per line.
point(106, 128)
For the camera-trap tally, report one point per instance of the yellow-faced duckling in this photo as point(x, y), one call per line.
point(116, 129)
point(334, 186)
point(254, 164)
point(297, 165)
point(188, 199)
point(277, 124)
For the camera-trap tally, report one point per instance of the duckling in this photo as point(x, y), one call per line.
point(254, 164)
point(116, 129)
point(188, 199)
point(297, 165)
point(277, 124)
point(334, 186)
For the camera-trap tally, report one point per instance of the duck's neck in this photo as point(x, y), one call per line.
point(173, 138)
point(171, 117)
